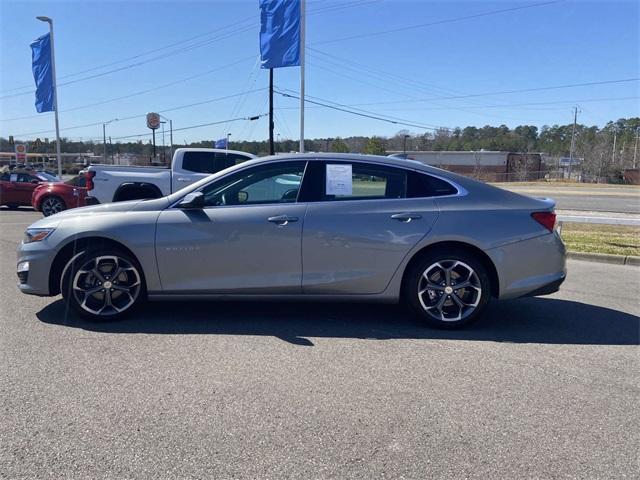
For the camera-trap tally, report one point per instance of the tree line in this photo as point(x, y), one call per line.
point(593, 145)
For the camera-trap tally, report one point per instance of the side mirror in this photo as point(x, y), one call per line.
point(192, 201)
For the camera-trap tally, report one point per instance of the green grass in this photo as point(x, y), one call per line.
point(594, 238)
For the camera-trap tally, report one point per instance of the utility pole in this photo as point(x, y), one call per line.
point(613, 152)
point(104, 142)
point(271, 146)
point(635, 150)
point(573, 138)
point(111, 149)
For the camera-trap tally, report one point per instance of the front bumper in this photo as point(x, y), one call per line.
point(33, 267)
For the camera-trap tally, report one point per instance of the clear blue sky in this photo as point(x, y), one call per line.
point(568, 42)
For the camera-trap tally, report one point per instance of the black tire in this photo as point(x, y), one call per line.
point(89, 287)
point(12, 206)
point(443, 305)
point(51, 205)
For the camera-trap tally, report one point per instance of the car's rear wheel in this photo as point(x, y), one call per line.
point(448, 288)
point(52, 205)
point(103, 284)
point(12, 206)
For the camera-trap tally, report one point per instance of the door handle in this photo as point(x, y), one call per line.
point(406, 217)
point(182, 179)
point(282, 219)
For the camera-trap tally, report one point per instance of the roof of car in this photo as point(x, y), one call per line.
point(354, 157)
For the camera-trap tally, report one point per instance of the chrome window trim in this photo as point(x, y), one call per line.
point(461, 191)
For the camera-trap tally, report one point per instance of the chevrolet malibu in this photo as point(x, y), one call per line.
point(313, 226)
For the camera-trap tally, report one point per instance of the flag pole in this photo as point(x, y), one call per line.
point(55, 91)
point(271, 148)
point(302, 46)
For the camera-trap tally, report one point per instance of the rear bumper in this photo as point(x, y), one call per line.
point(89, 200)
point(536, 266)
point(548, 289)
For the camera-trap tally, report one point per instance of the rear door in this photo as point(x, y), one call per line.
point(8, 191)
point(359, 226)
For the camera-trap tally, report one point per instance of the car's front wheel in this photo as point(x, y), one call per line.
point(52, 205)
point(448, 288)
point(103, 284)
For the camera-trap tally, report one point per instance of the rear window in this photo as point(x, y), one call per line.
point(210, 162)
point(423, 185)
point(79, 181)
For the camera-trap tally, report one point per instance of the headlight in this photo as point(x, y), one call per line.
point(36, 234)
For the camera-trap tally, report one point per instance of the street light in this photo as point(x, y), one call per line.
point(55, 91)
point(170, 135)
point(404, 145)
point(104, 137)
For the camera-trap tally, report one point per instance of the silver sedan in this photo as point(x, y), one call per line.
point(313, 226)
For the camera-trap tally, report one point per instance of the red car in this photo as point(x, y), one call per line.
point(17, 186)
point(50, 198)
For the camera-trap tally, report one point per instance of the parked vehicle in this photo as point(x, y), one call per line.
point(116, 183)
point(320, 226)
point(17, 186)
point(50, 198)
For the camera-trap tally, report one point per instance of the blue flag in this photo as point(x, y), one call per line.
point(222, 143)
point(42, 73)
point(279, 33)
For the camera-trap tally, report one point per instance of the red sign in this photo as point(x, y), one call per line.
point(153, 121)
point(21, 151)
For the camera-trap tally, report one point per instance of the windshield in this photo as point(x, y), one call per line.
point(46, 177)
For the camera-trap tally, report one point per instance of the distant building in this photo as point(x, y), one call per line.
point(482, 164)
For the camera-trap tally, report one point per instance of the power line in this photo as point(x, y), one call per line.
point(509, 105)
point(255, 117)
point(142, 92)
point(172, 109)
point(352, 112)
point(148, 52)
point(134, 65)
point(243, 29)
point(382, 74)
point(360, 80)
point(439, 22)
point(505, 92)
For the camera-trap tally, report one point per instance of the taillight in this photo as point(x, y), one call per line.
point(546, 219)
point(89, 179)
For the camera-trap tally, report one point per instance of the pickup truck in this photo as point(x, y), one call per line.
point(116, 183)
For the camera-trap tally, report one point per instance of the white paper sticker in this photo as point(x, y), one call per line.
point(339, 179)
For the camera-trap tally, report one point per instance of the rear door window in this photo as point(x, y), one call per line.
point(367, 181)
point(421, 185)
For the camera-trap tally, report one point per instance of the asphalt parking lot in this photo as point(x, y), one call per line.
point(541, 388)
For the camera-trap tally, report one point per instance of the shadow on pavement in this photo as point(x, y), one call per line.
point(530, 320)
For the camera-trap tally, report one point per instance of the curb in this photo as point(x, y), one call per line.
point(605, 258)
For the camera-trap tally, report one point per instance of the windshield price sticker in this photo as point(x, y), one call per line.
point(339, 179)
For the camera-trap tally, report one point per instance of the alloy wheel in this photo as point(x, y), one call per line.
point(106, 285)
point(449, 290)
point(51, 205)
